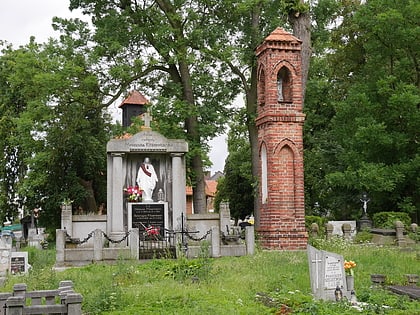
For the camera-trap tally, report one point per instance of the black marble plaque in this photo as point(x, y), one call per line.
point(148, 214)
point(17, 264)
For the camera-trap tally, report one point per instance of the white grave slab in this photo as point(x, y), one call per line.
point(326, 274)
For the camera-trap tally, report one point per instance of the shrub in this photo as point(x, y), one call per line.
point(363, 236)
point(386, 220)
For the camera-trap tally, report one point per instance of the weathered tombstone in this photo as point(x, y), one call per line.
point(224, 217)
point(5, 249)
point(338, 227)
point(326, 274)
point(19, 262)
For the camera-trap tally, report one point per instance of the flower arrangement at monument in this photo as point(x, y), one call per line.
point(349, 267)
point(133, 193)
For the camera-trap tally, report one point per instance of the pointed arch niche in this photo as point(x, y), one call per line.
point(284, 85)
point(261, 87)
point(286, 186)
point(264, 175)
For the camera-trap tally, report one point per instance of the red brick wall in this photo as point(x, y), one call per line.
point(281, 223)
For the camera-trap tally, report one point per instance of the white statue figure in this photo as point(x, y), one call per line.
point(147, 179)
point(280, 97)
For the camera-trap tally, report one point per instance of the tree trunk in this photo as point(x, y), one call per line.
point(191, 124)
point(301, 23)
point(251, 107)
point(89, 204)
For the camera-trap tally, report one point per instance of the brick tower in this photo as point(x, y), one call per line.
point(280, 121)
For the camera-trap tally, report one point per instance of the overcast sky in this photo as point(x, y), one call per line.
point(21, 19)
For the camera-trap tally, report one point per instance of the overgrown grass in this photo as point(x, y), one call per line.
point(270, 282)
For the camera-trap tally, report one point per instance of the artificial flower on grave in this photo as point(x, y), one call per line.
point(349, 267)
point(152, 230)
point(133, 193)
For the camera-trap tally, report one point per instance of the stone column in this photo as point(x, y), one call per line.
point(67, 219)
point(329, 228)
point(346, 228)
point(179, 203)
point(250, 240)
point(97, 245)
point(74, 303)
point(115, 214)
point(314, 229)
point(60, 244)
point(134, 243)
point(215, 242)
point(399, 230)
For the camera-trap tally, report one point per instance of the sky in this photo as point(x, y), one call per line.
point(21, 19)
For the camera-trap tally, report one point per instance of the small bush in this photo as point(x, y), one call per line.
point(386, 220)
point(363, 236)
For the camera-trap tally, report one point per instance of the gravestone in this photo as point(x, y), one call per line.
point(142, 215)
point(224, 217)
point(326, 274)
point(5, 249)
point(338, 227)
point(19, 263)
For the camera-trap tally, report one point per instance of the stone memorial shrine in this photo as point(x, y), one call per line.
point(327, 275)
point(146, 183)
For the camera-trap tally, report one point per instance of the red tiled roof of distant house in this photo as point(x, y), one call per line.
point(211, 187)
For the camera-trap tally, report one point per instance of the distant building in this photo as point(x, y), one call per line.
point(211, 189)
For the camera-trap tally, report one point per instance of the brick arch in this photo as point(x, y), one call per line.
point(264, 172)
point(261, 86)
point(286, 153)
point(285, 73)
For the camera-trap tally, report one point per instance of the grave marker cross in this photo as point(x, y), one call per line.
point(316, 262)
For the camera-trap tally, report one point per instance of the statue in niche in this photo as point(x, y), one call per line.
point(280, 97)
point(147, 179)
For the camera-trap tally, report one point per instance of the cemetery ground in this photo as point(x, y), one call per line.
point(269, 282)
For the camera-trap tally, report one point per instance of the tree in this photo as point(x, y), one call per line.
point(374, 130)
point(60, 133)
point(161, 46)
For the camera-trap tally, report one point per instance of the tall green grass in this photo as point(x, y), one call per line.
point(269, 282)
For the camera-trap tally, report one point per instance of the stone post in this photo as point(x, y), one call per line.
point(179, 202)
point(19, 289)
point(97, 245)
point(116, 213)
point(60, 245)
point(134, 243)
point(250, 239)
point(67, 219)
point(346, 228)
point(399, 229)
point(215, 242)
point(314, 229)
point(74, 304)
point(329, 229)
point(14, 305)
point(414, 227)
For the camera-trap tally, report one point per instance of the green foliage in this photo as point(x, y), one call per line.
point(363, 135)
point(363, 236)
point(386, 220)
point(278, 280)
